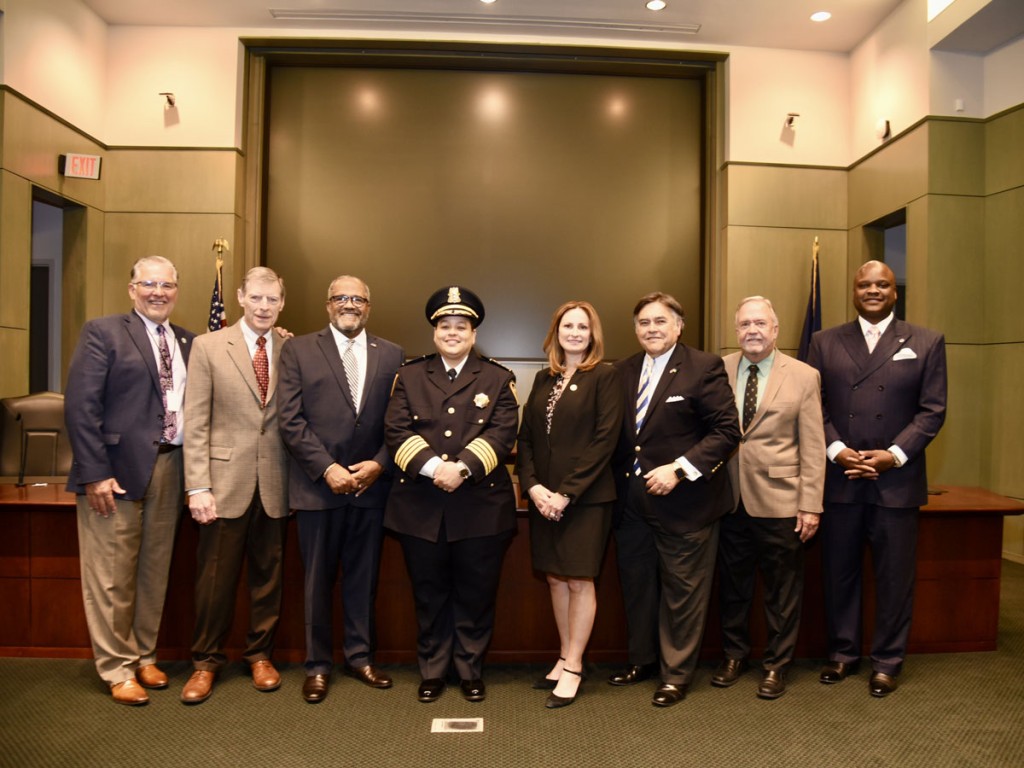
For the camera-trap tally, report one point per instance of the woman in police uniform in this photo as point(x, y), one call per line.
point(450, 426)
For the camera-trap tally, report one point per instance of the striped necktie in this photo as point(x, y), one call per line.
point(643, 399)
point(352, 372)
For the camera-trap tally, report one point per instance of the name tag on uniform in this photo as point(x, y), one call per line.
point(905, 354)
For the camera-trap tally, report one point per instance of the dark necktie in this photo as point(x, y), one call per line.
point(750, 397)
point(261, 366)
point(170, 430)
point(452, 373)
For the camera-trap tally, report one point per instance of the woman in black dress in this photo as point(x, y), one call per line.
point(571, 422)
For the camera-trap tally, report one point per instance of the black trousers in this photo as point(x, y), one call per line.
point(666, 585)
point(259, 539)
point(747, 544)
point(454, 585)
point(891, 535)
point(348, 538)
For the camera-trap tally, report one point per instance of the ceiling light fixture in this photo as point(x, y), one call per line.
point(656, 5)
point(488, 2)
point(821, 16)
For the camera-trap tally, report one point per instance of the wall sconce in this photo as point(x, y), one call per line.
point(883, 130)
point(790, 121)
point(170, 98)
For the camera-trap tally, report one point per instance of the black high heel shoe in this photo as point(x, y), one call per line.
point(546, 683)
point(555, 702)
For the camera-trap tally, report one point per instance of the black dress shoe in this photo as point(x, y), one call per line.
point(773, 684)
point(557, 702)
point(634, 674)
point(728, 672)
point(314, 690)
point(668, 694)
point(546, 683)
point(837, 671)
point(369, 675)
point(881, 684)
point(430, 689)
point(473, 690)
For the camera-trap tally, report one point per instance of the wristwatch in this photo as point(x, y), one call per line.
point(463, 470)
point(680, 475)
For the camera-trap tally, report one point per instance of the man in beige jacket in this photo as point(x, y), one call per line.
point(778, 476)
point(236, 476)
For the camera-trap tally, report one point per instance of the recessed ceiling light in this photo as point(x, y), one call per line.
point(656, 5)
point(821, 16)
point(488, 2)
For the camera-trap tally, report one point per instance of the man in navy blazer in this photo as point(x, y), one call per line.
point(333, 388)
point(884, 399)
point(122, 407)
point(679, 429)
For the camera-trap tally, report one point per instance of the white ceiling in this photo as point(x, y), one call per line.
point(762, 23)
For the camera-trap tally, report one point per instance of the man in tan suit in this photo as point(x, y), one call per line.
point(778, 476)
point(236, 477)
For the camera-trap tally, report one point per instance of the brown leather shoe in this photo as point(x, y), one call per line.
point(199, 687)
point(772, 685)
point(315, 688)
point(129, 692)
point(264, 676)
point(881, 684)
point(369, 675)
point(151, 676)
point(637, 673)
point(668, 695)
point(837, 671)
point(728, 672)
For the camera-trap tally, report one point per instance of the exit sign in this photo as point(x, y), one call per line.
point(79, 166)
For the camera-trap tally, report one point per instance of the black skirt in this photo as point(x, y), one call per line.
point(573, 546)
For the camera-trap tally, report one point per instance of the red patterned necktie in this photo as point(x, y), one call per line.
point(262, 368)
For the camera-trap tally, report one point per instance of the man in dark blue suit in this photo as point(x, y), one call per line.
point(679, 429)
point(884, 399)
point(333, 389)
point(123, 405)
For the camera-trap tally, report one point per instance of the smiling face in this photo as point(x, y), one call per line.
point(148, 291)
point(348, 316)
point(454, 336)
point(874, 291)
point(261, 303)
point(657, 328)
point(574, 334)
point(756, 330)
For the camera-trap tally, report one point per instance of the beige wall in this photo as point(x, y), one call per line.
point(171, 202)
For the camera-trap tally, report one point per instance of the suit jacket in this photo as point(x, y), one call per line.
point(575, 459)
point(692, 414)
point(232, 443)
point(472, 419)
point(779, 468)
point(893, 396)
point(319, 423)
point(113, 403)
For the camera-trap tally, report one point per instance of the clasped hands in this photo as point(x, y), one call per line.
point(355, 479)
point(865, 465)
point(550, 504)
point(447, 476)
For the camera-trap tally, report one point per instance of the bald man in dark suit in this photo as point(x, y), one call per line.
point(884, 400)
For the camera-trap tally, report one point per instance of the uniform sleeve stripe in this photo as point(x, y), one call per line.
point(483, 451)
point(407, 450)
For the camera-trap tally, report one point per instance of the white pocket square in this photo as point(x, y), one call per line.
point(675, 399)
point(905, 354)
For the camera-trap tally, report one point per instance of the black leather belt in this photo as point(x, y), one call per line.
point(167, 448)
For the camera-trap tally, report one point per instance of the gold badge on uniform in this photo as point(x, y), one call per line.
point(480, 400)
point(453, 295)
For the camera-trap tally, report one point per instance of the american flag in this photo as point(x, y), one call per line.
point(217, 316)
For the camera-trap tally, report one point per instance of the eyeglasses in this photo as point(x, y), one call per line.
point(340, 301)
point(152, 285)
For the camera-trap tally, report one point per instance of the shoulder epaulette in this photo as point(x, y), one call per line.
point(420, 359)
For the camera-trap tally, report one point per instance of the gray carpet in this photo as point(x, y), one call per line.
point(950, 710)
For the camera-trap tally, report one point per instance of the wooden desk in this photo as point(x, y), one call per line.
point(957, 602)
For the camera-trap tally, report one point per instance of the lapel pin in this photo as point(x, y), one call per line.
point(572, 387)
point(672, 371)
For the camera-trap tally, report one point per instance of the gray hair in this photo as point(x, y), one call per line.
point(348, 277)
point(760, 299)
point(262, 275)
